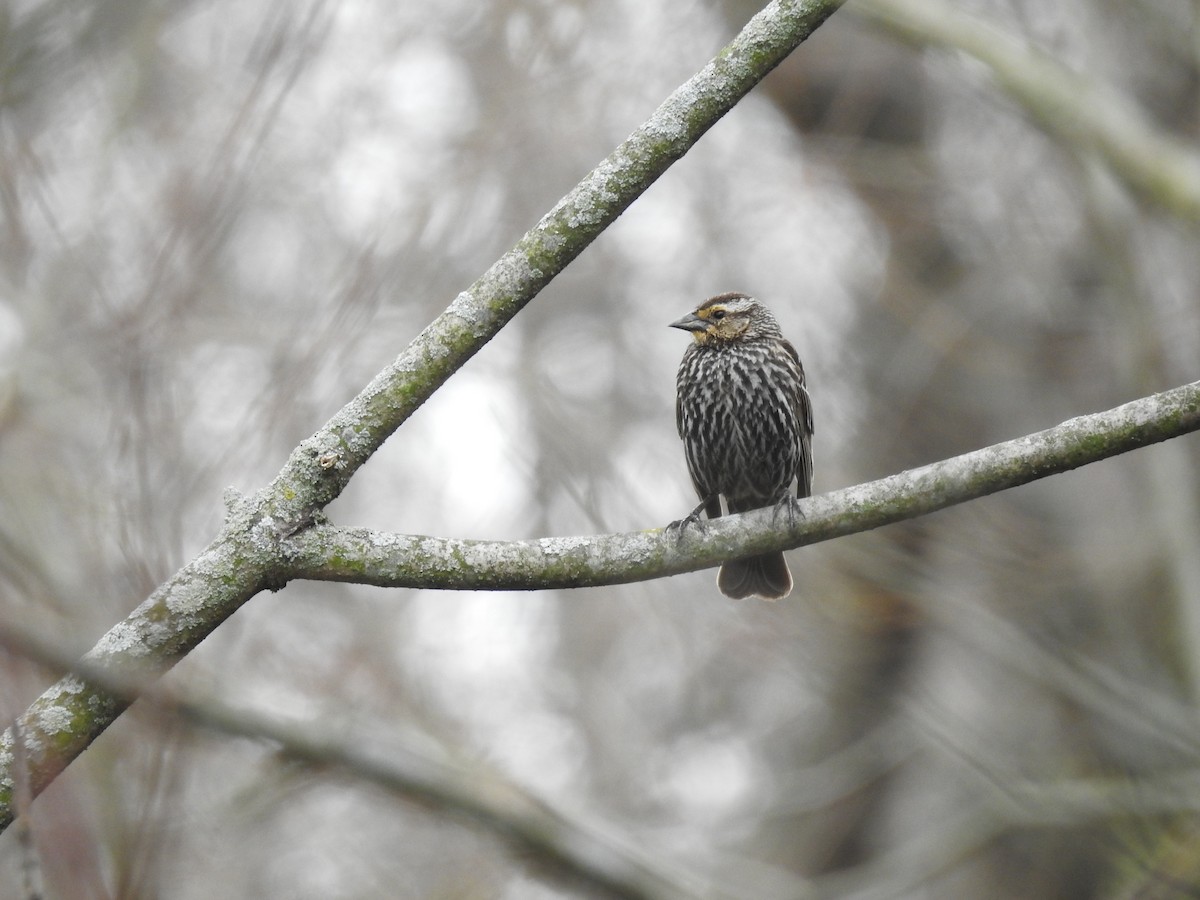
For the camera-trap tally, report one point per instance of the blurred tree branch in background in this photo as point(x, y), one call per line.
point(1087, 116)
point(565, 844)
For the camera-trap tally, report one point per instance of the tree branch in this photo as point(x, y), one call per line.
point(361, 556)
point(245, 557)
point(1085, 114)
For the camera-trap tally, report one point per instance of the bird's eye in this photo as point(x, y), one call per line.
point(718, 314)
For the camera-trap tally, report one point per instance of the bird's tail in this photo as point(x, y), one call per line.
point(765, 576)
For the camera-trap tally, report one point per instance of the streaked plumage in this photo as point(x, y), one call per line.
point(743, 412)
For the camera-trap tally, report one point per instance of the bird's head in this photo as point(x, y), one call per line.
point(728, 318)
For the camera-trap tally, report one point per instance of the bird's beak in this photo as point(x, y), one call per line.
point(690, 322)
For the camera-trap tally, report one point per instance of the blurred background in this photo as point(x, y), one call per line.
point(219, 220)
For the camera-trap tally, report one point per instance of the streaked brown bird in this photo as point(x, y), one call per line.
point(743, 412)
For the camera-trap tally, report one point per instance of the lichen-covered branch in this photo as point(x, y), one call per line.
point(245, 557)
point(396, 560)
point(1083, 113)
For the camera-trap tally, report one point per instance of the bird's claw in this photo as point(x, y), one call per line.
point(789, 506)
point(692, 518)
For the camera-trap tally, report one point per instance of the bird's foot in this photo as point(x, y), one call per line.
point(692, 518)
point(788, 506)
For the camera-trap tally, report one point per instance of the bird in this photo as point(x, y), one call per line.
point(743, 412)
